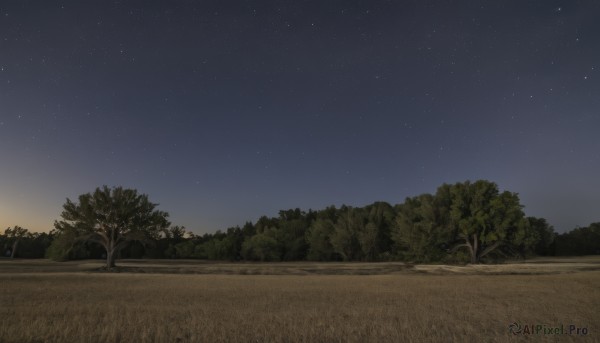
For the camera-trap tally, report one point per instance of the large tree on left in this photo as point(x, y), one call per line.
point(112, 217)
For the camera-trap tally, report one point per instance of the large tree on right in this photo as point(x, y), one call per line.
point(482, 218)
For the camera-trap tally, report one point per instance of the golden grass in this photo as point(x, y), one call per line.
point(75, 306)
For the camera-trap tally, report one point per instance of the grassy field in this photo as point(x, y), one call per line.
point(190, 301)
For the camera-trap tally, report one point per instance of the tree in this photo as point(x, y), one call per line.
point(172, 237)
point(14, 236)
point(318, 239)
point(521, 241)
point(226, 248)
point(367, 239)
point(34, 245)
point(344, 238)
point(545, 233)
point(419, 231)
point(382, 215)
point(112, 218)
point(290, 234)
point(579, 241)
point(261, 247)
point(176, 234)
point(483, 218)
point(66, 246)
point(184, 249)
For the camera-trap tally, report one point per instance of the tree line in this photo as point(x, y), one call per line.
point(463, 222)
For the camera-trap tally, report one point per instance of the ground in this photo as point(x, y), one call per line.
point(193, 301)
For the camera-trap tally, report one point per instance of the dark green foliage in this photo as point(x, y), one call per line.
point(318, 238)
point(484, 219)
point(65, 246)
point(19, 242)
point(421, 232)
point(345, 237)
point(262, 247)
point(221, 249)
point(579, 241)
point(184, 249)
point(290, 233)
point(463, 222)
point(135, 249)
point(545, 234)
point(381, 215)
point(329, 213)
point(248, 230)
point(112, 218)
point(14, 236)
point(175, 234)
point(34, 245)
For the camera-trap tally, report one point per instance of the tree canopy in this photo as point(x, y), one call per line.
point(465, 222)
point(483, 218)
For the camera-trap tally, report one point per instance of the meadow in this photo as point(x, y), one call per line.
point(193, 301)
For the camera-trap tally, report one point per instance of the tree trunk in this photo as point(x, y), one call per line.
point(13, 252)
point(110, 259)
point(110, 255)
point(474, 251)
point(472, 248)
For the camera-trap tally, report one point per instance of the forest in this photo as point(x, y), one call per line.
point(461, 223)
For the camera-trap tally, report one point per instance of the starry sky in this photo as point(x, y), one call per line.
point(223, 111)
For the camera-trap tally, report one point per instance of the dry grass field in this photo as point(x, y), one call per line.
point(190, 301)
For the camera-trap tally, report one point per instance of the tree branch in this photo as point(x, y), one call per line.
point(490, 248)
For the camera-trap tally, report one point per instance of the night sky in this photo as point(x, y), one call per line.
point(223, 111)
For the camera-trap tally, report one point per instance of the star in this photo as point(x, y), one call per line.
point(318, 85)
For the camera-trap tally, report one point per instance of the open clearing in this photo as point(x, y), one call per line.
point(193, 301)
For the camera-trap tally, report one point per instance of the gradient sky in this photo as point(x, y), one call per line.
point(223, 111)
